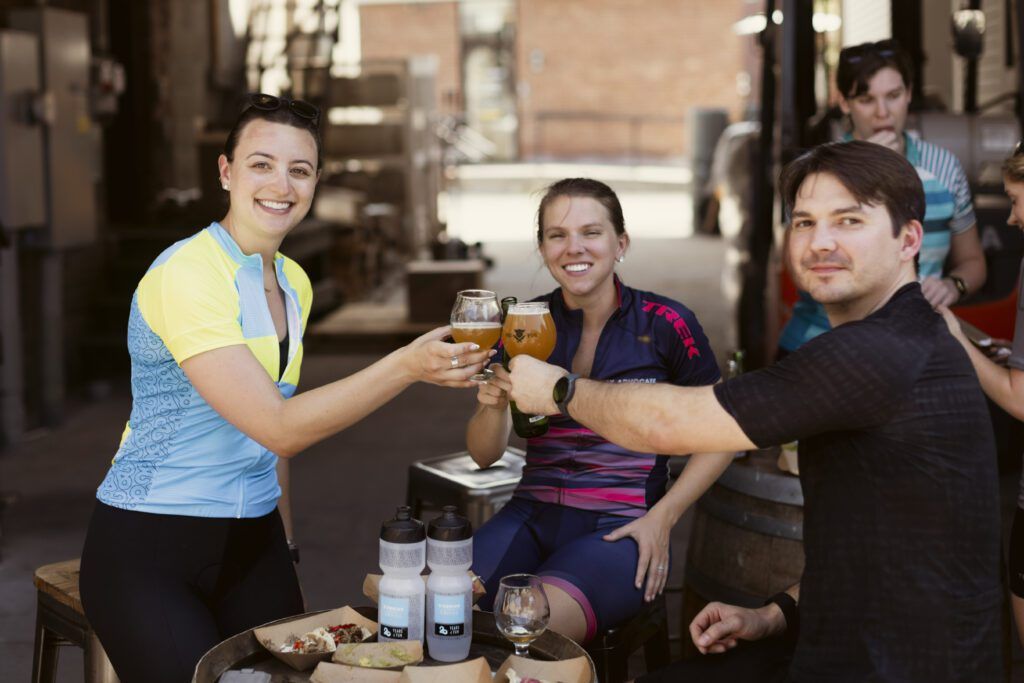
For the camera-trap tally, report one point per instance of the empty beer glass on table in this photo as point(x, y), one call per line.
point(476, 318)
point(521, 610)
point(529, 330)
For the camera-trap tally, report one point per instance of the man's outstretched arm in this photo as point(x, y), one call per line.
point(652, 418)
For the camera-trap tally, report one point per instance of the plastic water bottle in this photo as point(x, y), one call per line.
point(402, 558)
point(449, 587)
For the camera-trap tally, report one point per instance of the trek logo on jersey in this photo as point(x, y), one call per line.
point(678, 324)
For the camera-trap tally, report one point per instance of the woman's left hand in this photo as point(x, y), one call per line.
point(939, 291)
point(429, 359)
point(651, 533)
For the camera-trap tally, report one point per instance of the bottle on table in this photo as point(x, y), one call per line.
point(449, 626)
point(402, 558)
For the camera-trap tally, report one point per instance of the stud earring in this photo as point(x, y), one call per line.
point(620, 259)
point(224, 184)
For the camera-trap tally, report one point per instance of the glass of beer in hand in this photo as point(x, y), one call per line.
point(476, 318)
point(529, 329)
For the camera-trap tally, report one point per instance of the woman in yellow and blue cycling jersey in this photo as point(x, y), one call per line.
point(186, 546)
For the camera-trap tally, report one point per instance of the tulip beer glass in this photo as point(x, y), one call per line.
point(476, 318)
point(528, 329)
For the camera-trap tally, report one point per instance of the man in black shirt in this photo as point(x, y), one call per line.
point(901, 526)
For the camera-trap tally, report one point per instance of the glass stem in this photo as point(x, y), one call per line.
point(522, 649)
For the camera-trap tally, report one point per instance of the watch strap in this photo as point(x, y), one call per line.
point(961, 286)
point(570, 390)
point(790, 612)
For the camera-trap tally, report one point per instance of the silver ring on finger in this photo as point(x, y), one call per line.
point(661, 568)
point(455, 361)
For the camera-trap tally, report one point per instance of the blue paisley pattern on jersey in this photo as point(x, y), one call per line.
point(161, 396)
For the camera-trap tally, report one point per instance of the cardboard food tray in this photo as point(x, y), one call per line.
point(371, 587)
point(575, 670)
point(273, 637)
point(326, 672)
point(369, 654)
point(471, 671)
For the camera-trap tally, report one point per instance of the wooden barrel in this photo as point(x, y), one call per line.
point(747, 538)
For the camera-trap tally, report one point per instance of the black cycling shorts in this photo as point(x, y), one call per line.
point(161, 590)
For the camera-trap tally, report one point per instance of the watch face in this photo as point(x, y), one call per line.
point(561, 386)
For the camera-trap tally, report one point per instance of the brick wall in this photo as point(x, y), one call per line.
point(639, 64)
point(390, 31)
point(644, 58)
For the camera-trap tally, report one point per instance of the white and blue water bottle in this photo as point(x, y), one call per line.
point(449, 587)
point(402, 558)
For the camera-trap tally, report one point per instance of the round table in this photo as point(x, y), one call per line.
point(243, 651)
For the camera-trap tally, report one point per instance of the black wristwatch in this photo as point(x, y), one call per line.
point(563, 392)
point(790, 612)
point(961, 286)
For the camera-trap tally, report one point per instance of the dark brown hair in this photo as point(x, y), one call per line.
point(282, 115)
point(859, 63)
point(582, 187)
point(873, 174)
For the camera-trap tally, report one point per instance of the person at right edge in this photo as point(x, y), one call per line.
point(874, 83)
point(1005, 385)
point(901, 532)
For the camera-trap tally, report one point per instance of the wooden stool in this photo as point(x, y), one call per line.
point(648, 629)
point(455, 479)
point(61, 621)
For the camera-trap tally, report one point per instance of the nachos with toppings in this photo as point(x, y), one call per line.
point(326, 639)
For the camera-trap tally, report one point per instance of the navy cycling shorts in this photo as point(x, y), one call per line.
point(564, 546)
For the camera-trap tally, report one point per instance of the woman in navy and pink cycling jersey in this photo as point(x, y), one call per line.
point(592, 519)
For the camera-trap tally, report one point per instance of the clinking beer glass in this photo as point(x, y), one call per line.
point(528, 329)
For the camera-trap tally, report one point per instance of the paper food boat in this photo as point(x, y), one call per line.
point(392, 655)
point(566, 671)
point(471, 671)
point(326, 672)
point(273, 637)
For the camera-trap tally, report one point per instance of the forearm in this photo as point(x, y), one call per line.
point(312, 416)
point(657, 418)
point(284, 503)
point(967, 259)
point(487, 434)
point(1005, 386)
point(702, 470)
point(972, 271)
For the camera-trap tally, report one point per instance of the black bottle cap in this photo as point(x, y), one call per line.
point(450, 526)
point(403, 528)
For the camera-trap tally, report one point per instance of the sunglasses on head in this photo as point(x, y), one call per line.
point(886, 49)
point(300, 108)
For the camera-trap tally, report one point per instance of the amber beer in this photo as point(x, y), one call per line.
point(484, 335)
point(528, 330)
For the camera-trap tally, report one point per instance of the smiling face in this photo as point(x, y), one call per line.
point(842, 252)
point(271, 180)
point(579, 247)
point(883, 106)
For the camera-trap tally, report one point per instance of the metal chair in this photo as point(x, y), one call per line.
point(61, 621)
point(454, 479)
